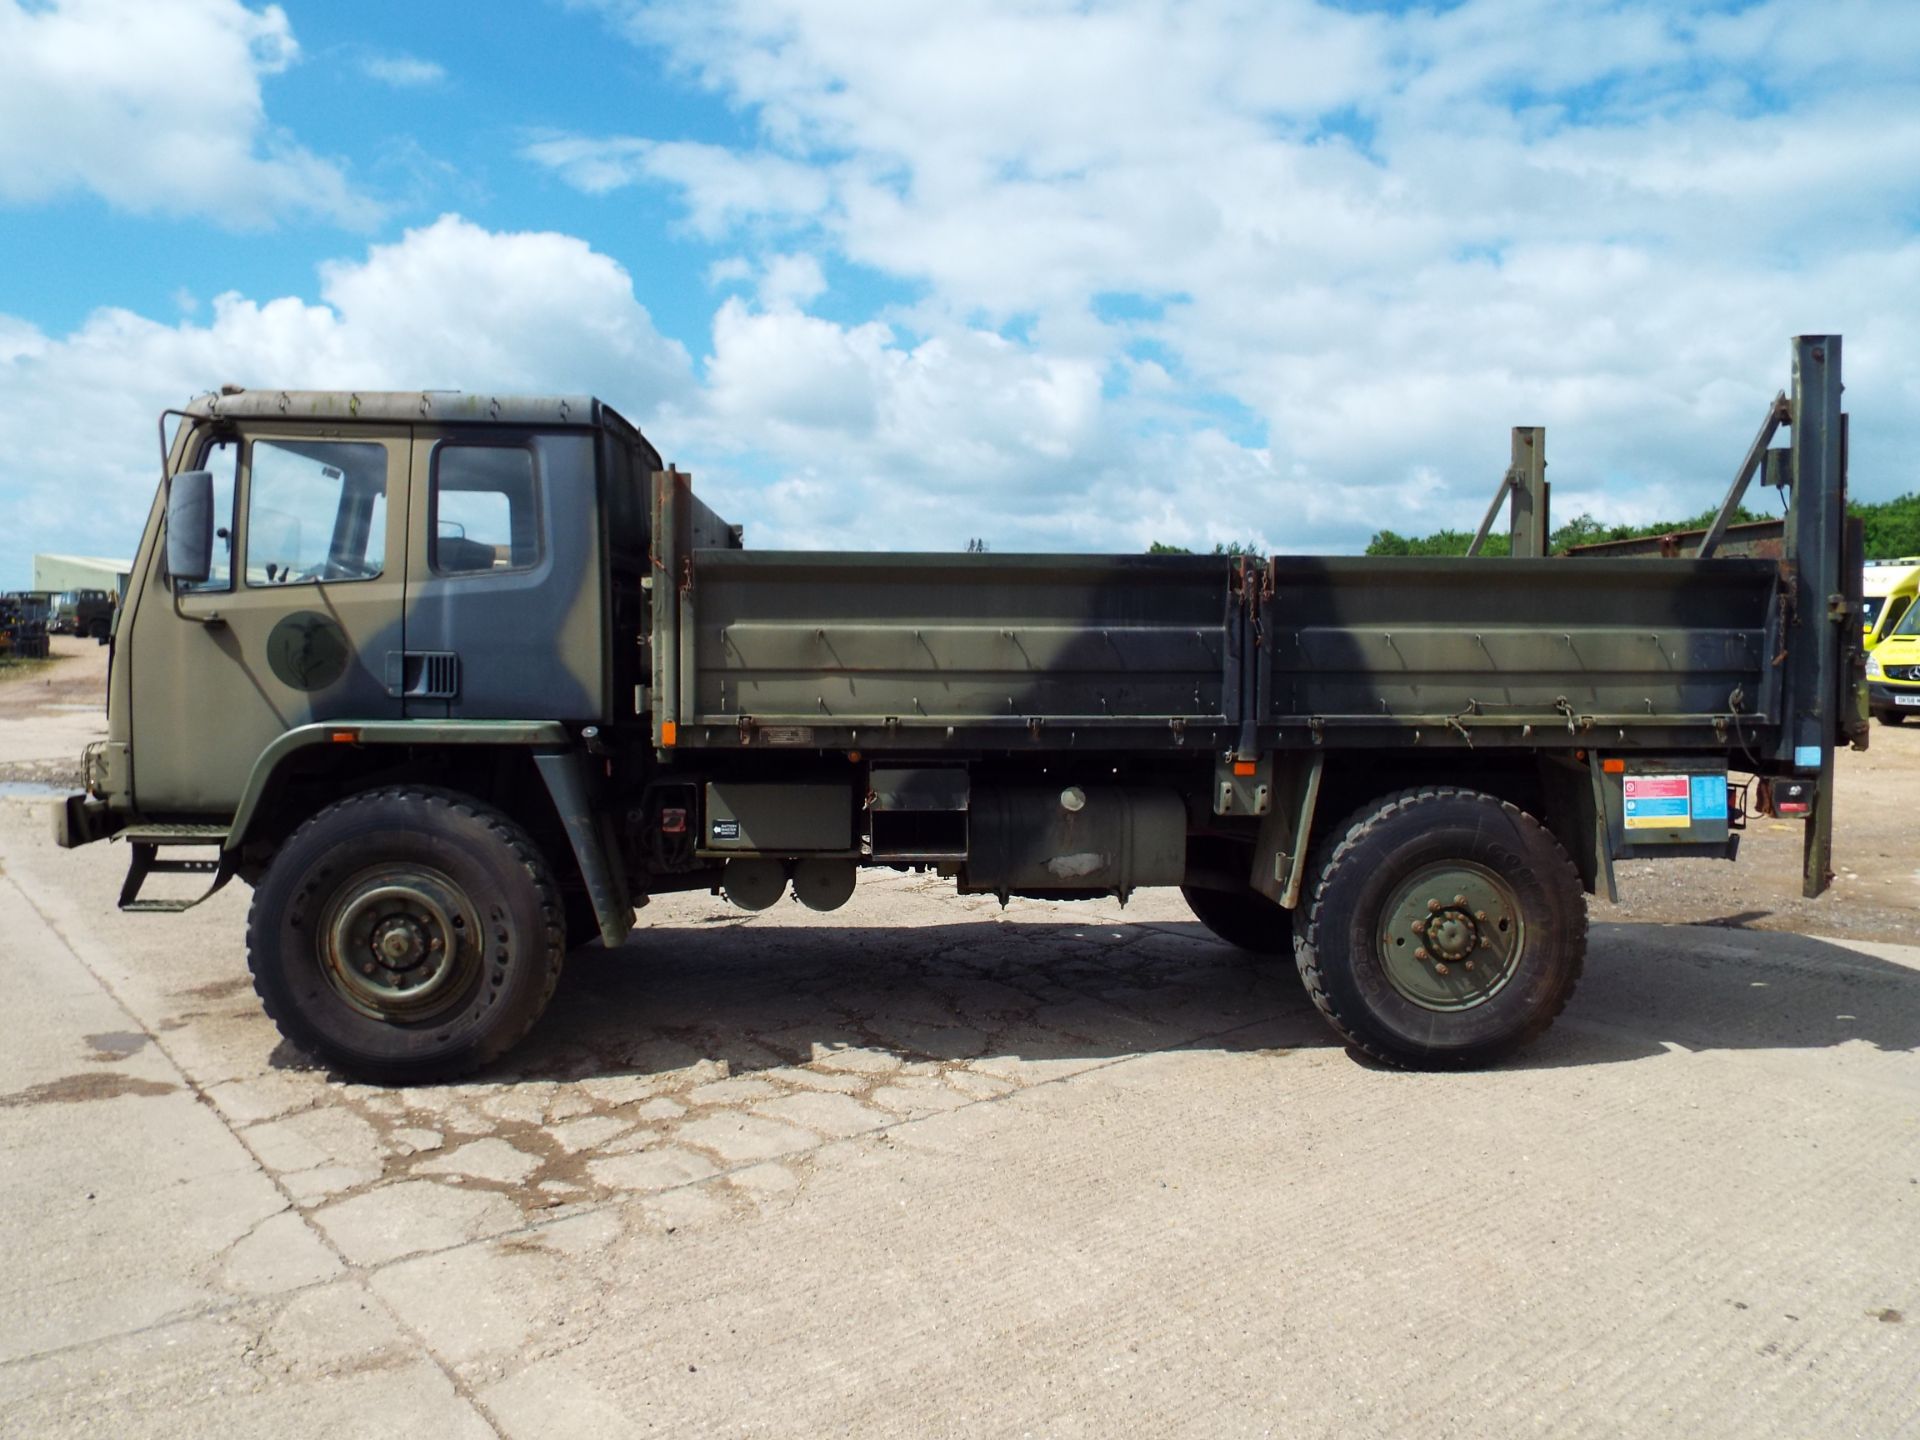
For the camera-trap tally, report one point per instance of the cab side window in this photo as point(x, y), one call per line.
point(485, 512)
point(222, 457)
point(316, 511)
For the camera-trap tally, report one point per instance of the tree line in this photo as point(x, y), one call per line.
point(1892, 530)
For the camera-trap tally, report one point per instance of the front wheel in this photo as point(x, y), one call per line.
point(1447, 928)
point(406, 935)
point(1890, 717)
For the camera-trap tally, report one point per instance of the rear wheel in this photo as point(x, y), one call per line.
point(1447, 928)
point(1245, 918)
point(406, 935)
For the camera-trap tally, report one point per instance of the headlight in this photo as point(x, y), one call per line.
point(1873, 665)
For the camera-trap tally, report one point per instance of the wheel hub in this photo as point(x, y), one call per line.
point(1450, 935)
point(399, 942)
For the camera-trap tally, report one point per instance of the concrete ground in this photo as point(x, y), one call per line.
point(924, 1167)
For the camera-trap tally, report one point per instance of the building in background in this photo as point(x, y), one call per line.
point(79, 572)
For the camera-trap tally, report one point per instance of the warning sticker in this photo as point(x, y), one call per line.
point(726, 829)
point(1657, 802)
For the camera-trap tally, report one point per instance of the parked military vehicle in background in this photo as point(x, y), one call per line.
point(82, 612)
point(456, 681)
point(23, 625)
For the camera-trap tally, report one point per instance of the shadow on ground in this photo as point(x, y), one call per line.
point(1715, 986)
point(759, 994)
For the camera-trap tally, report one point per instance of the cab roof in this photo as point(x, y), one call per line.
point(408, 406)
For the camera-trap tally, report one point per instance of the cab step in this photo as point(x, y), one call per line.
point(149, 839)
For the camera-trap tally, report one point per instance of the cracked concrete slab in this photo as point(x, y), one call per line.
point(924, 1165)
point(737, 1139)
point(411, 1216)
point(657, 1169)
point(482, 1160)
point(827, 1113)
point(322, 1364)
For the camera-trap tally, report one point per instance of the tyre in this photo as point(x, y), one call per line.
point(406, 935)
point(1446, 929)
point(1890, 717)
point(1246, 919)
point(98, 630)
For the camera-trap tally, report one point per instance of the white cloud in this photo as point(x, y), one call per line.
point(453, 304)
point(790, 280)
point(1201, 272)
point(449, 305)
point(961, 402)
point(402, 72)
point(1355, 247)
point(723, 187)
point(155, 105)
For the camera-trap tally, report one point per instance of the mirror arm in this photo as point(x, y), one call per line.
point(213, 619)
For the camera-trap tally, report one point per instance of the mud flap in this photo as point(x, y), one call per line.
point(565, 774)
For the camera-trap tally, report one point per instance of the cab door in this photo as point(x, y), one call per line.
point(505, 599)
point(294, 626)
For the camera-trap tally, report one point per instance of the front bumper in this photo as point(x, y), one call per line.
point(81, 820)
point(1883, 696)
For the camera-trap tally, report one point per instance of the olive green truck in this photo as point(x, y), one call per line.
point(456, 682)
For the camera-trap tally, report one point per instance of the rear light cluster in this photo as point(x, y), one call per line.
point(1787, 799)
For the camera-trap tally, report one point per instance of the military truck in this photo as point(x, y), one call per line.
point(23, 625)
point(458, 681)
point(82, 612)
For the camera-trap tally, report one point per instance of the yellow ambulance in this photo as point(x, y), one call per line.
point(1893, 641)
point(1888, 589)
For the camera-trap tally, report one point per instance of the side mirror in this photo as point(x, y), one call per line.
point(190, 526)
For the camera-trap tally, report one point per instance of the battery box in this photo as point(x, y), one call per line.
point(760, 819)
point(1669, 806)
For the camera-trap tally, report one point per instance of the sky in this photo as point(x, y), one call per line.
point(1057, 276)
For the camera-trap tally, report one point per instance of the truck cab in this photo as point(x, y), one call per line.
point(367, 558)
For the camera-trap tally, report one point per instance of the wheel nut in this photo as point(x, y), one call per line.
point(1469, 964)
point(367, 969)
point(1419, 927)
point(1485, 943)
point(1459, 899)
point(1440, 969)
point(1433, 904)
point(1479, 914)
point(1420, 954)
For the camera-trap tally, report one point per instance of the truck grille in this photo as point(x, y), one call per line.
point(1901, 672)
